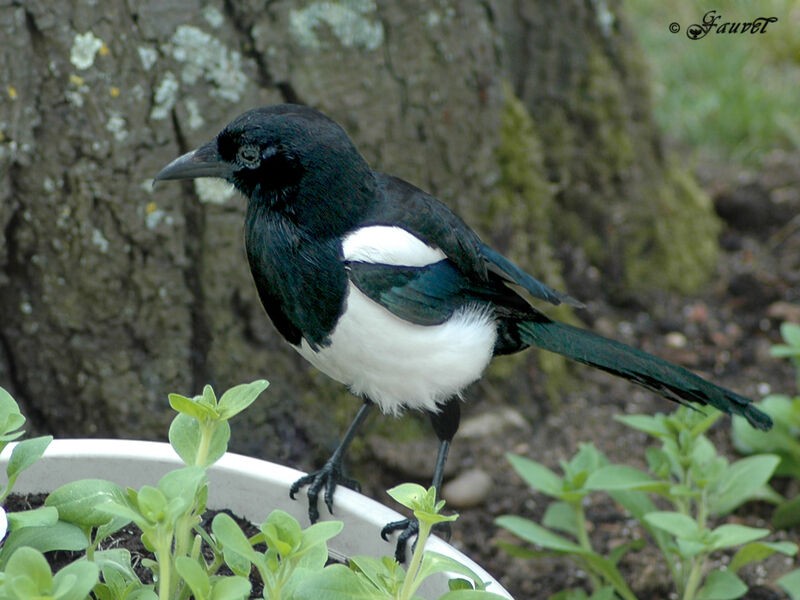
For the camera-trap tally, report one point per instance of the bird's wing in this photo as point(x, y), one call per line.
point(430, 294)
point(513, 274)
point(400, 204)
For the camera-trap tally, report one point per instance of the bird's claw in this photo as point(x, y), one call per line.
point(408, 528)
point(328, 477)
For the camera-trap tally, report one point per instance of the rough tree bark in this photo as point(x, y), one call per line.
point(113, 293)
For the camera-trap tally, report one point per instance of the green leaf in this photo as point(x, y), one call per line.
point(651, 425)
point(238, 398)
point(230, 588)
point(781, 439)
point(382, 573)
point(536, 534)
point(726, 536)
point(587, 460)
point(58, 536)
point(433, 562)
point(312, 552)
point(11, 423)
point(679, 525)
point(186, 437)
point(7, 403)
point(683, 491)
point(28, 573)
point(126, 511)
point(456, 584)
point(610, 574)
point(410, 495)
point(152, 504)
point(335, 582)
point(321, 532)
point(471, 595)
point(77, 501)
point(621, 477)
point(183, 483)
point(25, 453)
point(658, 462)
point(195, 576)
point(710, 416)
point(282, 532)
point(784, 351)
point(238, 564)
point(561, 516)
point(192, 408)
point(109, 528)
point(218, 445)
point(75, 581)
point(604, 593)
point(758, 551)
point(116, 561)
point(741, 481)
point(791, 584)
point(791, 334)
point(521, 552)
point(230, 535)
point(208, 398)
point(573, 594)
point(537, 475)
point(38, 517)
point(703, 451)
point(690, 548)
point(722, 585)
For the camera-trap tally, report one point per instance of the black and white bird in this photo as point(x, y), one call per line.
point(383, 288)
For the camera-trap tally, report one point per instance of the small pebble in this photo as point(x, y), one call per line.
point(493, 423)
point(469, 489)
point(675, 339)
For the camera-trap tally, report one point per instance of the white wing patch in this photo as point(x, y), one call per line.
point(388, 245)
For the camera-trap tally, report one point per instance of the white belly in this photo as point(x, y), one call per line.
point(397, 364)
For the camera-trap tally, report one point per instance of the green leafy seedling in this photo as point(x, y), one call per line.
point(200, 432)
point(27, 576)
point(686, 472)
point(166, 514)
point(205, 587)
point(119, 579)
point(371, 578)
point(292, 553)
point(26, 452)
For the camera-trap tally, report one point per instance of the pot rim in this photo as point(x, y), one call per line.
point(248, 486)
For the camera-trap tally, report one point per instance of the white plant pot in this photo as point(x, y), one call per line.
point(249, 487)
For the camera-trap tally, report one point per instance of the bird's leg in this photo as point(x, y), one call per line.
point(332, 473)
point(445, 424)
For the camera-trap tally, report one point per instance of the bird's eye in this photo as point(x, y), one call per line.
point(249, 155)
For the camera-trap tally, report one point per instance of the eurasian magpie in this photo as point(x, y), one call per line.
point(383, 288)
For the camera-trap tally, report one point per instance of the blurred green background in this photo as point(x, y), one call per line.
point(733, 98)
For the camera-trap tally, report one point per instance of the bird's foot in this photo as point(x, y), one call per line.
point(329, 476)
point(408, 528)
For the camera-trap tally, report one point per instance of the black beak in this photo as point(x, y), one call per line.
point(205, 161)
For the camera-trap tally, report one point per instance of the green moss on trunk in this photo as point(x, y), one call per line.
point(520, 212)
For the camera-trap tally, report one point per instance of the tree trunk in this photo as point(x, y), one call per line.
point(114, 293)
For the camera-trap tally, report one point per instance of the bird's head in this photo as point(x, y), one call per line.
point(290, 158)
